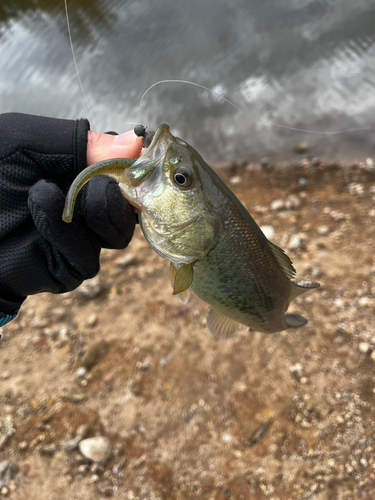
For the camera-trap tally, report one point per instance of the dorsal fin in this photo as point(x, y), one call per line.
point(283, 260)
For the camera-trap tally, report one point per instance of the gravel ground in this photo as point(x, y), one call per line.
point(117, 390)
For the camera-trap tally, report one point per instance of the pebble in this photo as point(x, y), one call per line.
point(49, 449)
point(23, 445)
point(323, 230)
point(4, 491)
point(83, 431)
point(297, 368)
point(95, 354)
point(74, 395)
point(293, 202)
point(91, 289)
point(92, 320)
point(364, 302)
point(235, 180)
point(277, 205)
point(97, 449)
point(268, 232)
point(58, 313)
point(296, 242)
point(364, 347)
point(301, 147)
point(126, 260)
point(81, 372)
point(5, 375)
point(369, 165)
point(105, 488)
point(226, 437)
point(63, 337)
point(8, 471)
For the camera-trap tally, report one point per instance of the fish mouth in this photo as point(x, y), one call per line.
point(160, 142)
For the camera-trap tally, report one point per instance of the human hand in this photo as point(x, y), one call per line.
point(38, 161)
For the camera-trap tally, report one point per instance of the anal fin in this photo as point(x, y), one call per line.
point(294, 321)
point(221, 326)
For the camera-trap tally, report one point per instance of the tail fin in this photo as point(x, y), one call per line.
point(294, 321)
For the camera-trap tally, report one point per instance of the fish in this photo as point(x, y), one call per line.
point(216, 250)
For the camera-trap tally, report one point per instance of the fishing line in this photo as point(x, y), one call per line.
point(189, 83)
point(272, 124)
point(76, 66)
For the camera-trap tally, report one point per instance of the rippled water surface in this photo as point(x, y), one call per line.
point(306, 64)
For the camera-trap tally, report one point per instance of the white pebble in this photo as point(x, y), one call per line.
point(268, 232)
point(81, 372)
point(364, 347)
point(226, 437)
point(323, 230)
point(97, 449)
point(277, 204)
point(236, 179)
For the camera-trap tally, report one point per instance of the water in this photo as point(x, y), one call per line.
point(301, 63)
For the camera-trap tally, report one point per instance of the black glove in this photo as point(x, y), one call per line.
point(39, 158)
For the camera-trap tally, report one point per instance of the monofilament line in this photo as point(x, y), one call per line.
point(76, 66)
point(189, 83)
point(345, 131)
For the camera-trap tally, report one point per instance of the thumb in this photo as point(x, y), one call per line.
point(103, 146)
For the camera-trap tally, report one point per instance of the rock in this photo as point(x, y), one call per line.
point(323, 230)
point(301, 148)
point(5, 375)
point(23, 445)
point(72, 445)
point(268, 232)
point(58, 313)
point(63, 338)
point(277, 205)
point(126, 260)
point(81, 372)
point(97, 449)
point(83, 431)
point(296, 242)
point(105, 488)
point(95, 354)
point(8, 471)
point(91, 289)
point(364, 347)
point(235, 180)
point(4, 491)
point(369, 165)
point(92, 320)
point(293, 202)
point(49, 449)
point(74, 395)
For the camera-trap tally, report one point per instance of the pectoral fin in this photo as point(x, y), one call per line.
point(182, 278)
point(294, 321)
point(182, 297)
point(221, 326)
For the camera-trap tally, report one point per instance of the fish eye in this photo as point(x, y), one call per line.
point(182, 177)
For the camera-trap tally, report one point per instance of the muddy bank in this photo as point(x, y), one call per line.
point(179, 415)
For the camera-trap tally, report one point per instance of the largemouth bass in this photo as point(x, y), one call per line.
point(215, 248)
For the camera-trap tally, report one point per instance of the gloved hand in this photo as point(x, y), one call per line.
point(39, 158)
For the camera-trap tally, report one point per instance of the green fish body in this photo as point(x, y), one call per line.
point(216, 250)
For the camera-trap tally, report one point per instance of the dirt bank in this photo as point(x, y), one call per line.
point(282, 416)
